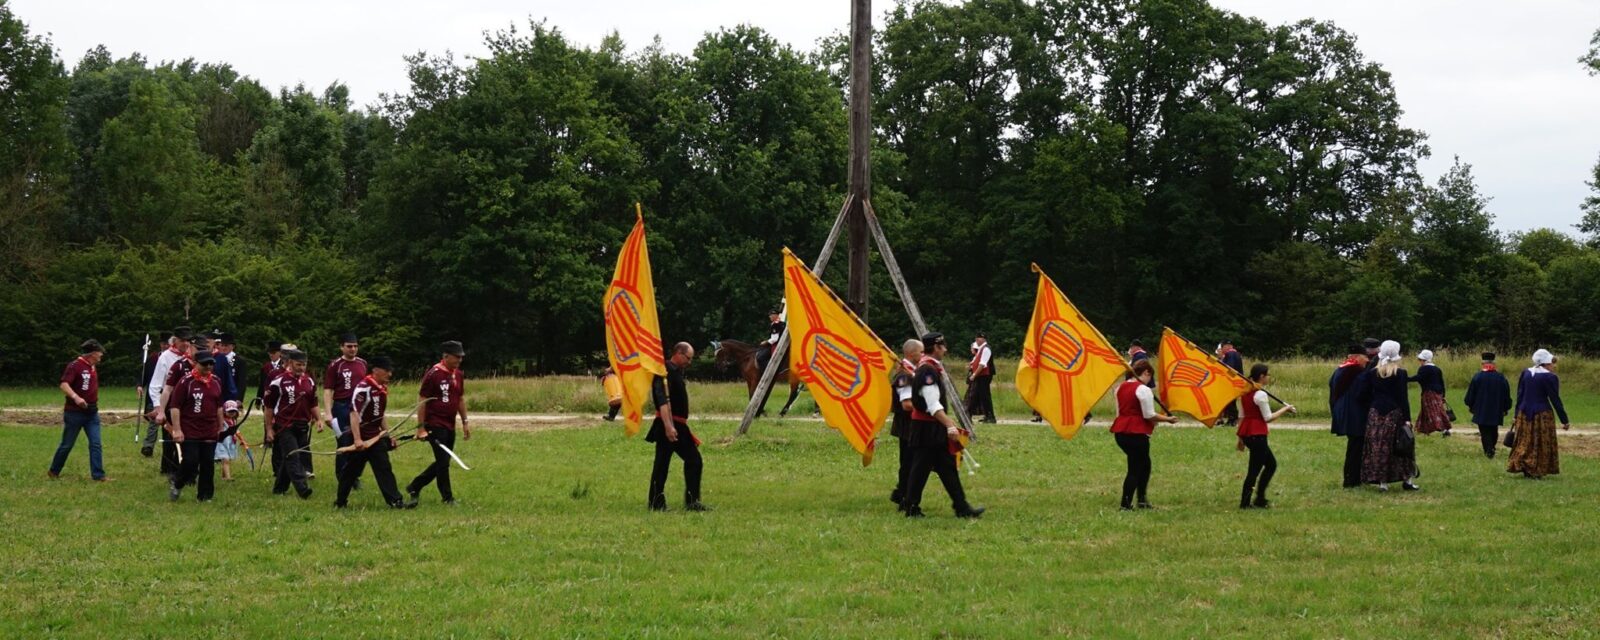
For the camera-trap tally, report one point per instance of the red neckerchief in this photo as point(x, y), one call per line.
point(447, 370)
point(1350, 362)
point(86, 363)
point(175, 350)
point(1134, 352)
point(937, 365)
point(1488, 366)
point(201, 376)
point(906, 366)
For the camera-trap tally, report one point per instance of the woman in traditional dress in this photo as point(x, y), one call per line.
point(1432, 418)
point(1253, 436)
point(1385, 392)
point(1538, 406)
point(1136, 420)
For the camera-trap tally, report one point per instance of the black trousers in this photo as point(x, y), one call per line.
point(341, 413)
point(378, 456)
point(982, 401)
point(289, 469)
point(440, 469)
point(1262, 464)
point(1137, 481)
point(934, 459)
point(1355, 449)
point(304, 433)
point(686, 450)
point(903, 475)
point(198, 468)
point(169, 453)
point(1491, 439)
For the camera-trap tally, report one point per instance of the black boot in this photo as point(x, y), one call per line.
point(658, 502)
point(1244, 498)
point(970, 512)
point(691, 502)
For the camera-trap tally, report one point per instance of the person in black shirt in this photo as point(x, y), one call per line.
point(671, 435)
point(775, 327)
point(1385, 392)
point(934, 436)
point(902, 407)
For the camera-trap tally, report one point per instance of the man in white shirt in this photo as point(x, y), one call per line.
point(980, 373)
point(177, 347)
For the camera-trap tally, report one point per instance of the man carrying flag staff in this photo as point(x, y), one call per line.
point(177, 349)
point(671, 435)
point(443, 397)
point(633, 342)
point(901, 427)
point(932, 434)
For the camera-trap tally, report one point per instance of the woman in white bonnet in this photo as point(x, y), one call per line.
point(1385, 392)
point(1535, 454)
point(1432, 417)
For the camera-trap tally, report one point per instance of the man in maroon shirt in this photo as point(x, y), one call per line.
point(441, 401)
point(194, 419)
point(371, 440)
point(175, 373)
point(339, 382)
point(80, 382)
point(269, 370)
point(290, 405)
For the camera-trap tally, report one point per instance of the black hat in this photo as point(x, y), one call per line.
point(1488, 356)
point(183, 333)
point(90, 346)
point(348, 338)
point(224, 337)
point(380, 362)
point(773, 312)
point(1136, 343)
point(1227, 341)
point(932, 338)
point(295, 355)
point(203, 358)
point(982, 335)
point(274, 345)
point(1357, 350)
point(1371, 343)
point(452, 348)
point(201, 343)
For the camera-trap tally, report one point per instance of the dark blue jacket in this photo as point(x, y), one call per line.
point(1489, 398)
point(1386, 395)
point(1349, 416)
point(1538, 393)
point(1430, 378)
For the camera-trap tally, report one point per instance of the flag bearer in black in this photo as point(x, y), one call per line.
point(194, 419)
point(371, 440)
point(671, 435)
point(932, 434)
point(911, 353)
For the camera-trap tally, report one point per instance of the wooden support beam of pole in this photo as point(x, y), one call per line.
point(779, 349)
point(860, 165)
point(900, 286)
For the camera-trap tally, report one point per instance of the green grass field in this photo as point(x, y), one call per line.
point(552, 540)
point(1301, 381)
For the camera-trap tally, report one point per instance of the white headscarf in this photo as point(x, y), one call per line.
point(1543, 357)
point(1425, 355)
point(1388, 352)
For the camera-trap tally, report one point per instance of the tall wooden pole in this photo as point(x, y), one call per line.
point(860, 152)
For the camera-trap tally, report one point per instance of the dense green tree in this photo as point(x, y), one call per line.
point(1455, 240)
point(1543, 246)
point(151, 166)
point(34, 151)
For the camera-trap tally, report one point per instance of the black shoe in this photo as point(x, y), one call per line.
point(1037, 419)
point(280, 493)
point(1126, 506)
point(1145, 505)
point(305, 494)
point(339, 505)
point(696, 506)
point(1245, 505)
point(895, 497)
point(1262, 503)
point(172, 491)
point(147, 451)
point(989, 420)
point(450, 502)
point(203, 500)
point(914, 512)
point(658, 503)
point(972, 513)
point(1410, 487)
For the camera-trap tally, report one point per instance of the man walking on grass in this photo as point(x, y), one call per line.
point(289, 406)
point(671, 435)
point(80, 382)
point(442, 398)
point(339, 382)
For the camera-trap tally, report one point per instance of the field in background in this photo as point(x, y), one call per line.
point(1301, 381)
point(552, 540)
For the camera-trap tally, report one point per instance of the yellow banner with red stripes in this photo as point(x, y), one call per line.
point(843, 363)
point(1067, 365)
point(633, 332)
point(1190, 380)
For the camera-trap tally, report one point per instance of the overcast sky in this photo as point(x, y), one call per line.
point(1495, 82)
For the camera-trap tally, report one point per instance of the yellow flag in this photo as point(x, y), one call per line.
point(843, 363)
point(633, 333)
point(1191, 381)
point(1066, 364)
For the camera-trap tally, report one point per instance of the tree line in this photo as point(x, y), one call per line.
point(1166, 161)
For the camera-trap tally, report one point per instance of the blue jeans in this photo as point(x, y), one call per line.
point(89, 423)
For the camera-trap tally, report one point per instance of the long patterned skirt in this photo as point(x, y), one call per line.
point(1432, 417)
point(1536, 453)
point(1380, 465)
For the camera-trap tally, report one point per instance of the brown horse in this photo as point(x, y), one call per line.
point(743, 355)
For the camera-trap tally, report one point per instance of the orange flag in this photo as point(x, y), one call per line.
point(633, 333)
point(1066, 364)
point(843, 363)
point(1192, 381)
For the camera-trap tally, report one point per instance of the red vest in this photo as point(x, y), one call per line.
point(1251, 422)
point(1130, 416)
